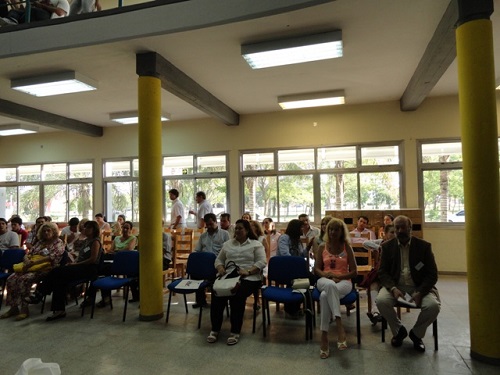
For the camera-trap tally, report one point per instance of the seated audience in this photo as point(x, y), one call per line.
point(40, 10)
point(261, 237)
point(307, 229)
point(84, 6)
point(225, 223)
point(86, 267)
point(289, 243)
point(70, 234)
point(16, 223)
point(246, 216)
point(408, 267)
point(8, 239)
point(335, 266)
point(373, 285)
point(116, 230)
point(210, 241)
point(248, 253)
point(103, 225)
point(51, 249)
point(322, 232)
point(270, 230)
point(32, 235)
point(80, 240)
point(362, 229)
point(125, 242)
point(388, 219)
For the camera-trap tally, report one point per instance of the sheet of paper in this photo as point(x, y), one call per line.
point(406, 301)
point(189, 284)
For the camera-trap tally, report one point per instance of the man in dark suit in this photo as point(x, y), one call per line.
point(408, 268)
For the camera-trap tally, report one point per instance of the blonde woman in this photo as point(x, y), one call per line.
point(335, 266)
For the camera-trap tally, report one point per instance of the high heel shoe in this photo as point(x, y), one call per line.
point(342, 345)
point(324, 354)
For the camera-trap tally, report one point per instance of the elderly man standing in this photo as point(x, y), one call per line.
point(408, 267)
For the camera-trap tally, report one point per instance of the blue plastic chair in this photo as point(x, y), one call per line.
point(200, 266)
point(125, 269)
point(349, 299)
point(7, 261)
point(281, 271)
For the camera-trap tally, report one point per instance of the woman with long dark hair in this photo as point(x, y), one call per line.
point(289, 243)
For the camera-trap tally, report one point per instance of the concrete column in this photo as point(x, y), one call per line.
point(150, 198)
point(476, 75)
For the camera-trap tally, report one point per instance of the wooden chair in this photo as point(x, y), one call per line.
point(106, 240)
point(182, 248)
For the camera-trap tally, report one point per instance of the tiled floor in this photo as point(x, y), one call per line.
point(105, 345)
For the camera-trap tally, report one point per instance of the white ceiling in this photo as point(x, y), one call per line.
point(384, 41)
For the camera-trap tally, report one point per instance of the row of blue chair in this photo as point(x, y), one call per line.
point(7, 260)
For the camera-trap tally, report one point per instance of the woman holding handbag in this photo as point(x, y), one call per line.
point(48, 248)
point(249, 255)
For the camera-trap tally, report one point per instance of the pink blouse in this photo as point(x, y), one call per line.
point(336, 264)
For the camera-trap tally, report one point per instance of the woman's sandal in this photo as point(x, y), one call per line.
point(324, 354)
point(233, 339)
point(342, 345)
point(21, 316)
point(212, 337)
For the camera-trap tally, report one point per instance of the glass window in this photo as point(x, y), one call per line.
point(80, 200)
point(55, 202)
point(8, 201)
point(29, 202)
point(53, 172)
point(117, 168)
point(135, 167)
point(379, 191)
point(8, 174)
point(29, 173)
point(83, 170)
point(216, 191)
point(442, 152)
point(339, 191)
point(119, 200)
point(178, 165)
point(337, 157)
point(384, 155)
point(258, 161)
point(186, 190)
point(296, 196)
point(293, 160)
point(209, 164)
point(261, 196)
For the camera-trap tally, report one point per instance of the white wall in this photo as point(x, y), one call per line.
point(436, 118)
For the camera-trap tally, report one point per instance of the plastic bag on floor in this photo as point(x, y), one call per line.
point(35, 366)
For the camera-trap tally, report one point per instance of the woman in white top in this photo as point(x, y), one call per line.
point(249, 255)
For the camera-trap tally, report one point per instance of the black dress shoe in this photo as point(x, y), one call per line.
point(418, 344)
point(197, 305)
point(397, 340)
point(55, 317)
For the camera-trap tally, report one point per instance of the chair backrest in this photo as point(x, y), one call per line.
point(200, 266)
point(363, 256)
point(183, 243)
point(283, 269)
point(126, 263)
point(11, 257)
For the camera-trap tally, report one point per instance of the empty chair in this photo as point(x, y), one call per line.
point(283, 270)
point(7, 261)
point(200, 266)
point(124, 270)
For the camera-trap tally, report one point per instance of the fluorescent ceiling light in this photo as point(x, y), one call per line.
point(132, 117)
point(293, 50)
point(54, 84)
point(317, 99)
point(17, 129)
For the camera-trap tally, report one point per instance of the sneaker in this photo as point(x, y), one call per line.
point(6, 21)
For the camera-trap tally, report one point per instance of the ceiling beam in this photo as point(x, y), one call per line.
point(438, 56)
point(184, 87)
point(36, 116)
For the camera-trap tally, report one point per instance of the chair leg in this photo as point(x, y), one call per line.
point(126, 302)
point(168, 306)
point(358, 321)
point(94, 293)
point(199, 317)
point(384, 326)
point(185, 303)
point(265, 306)
point(435, 334)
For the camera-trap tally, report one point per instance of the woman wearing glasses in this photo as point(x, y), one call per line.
point(335, 266)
